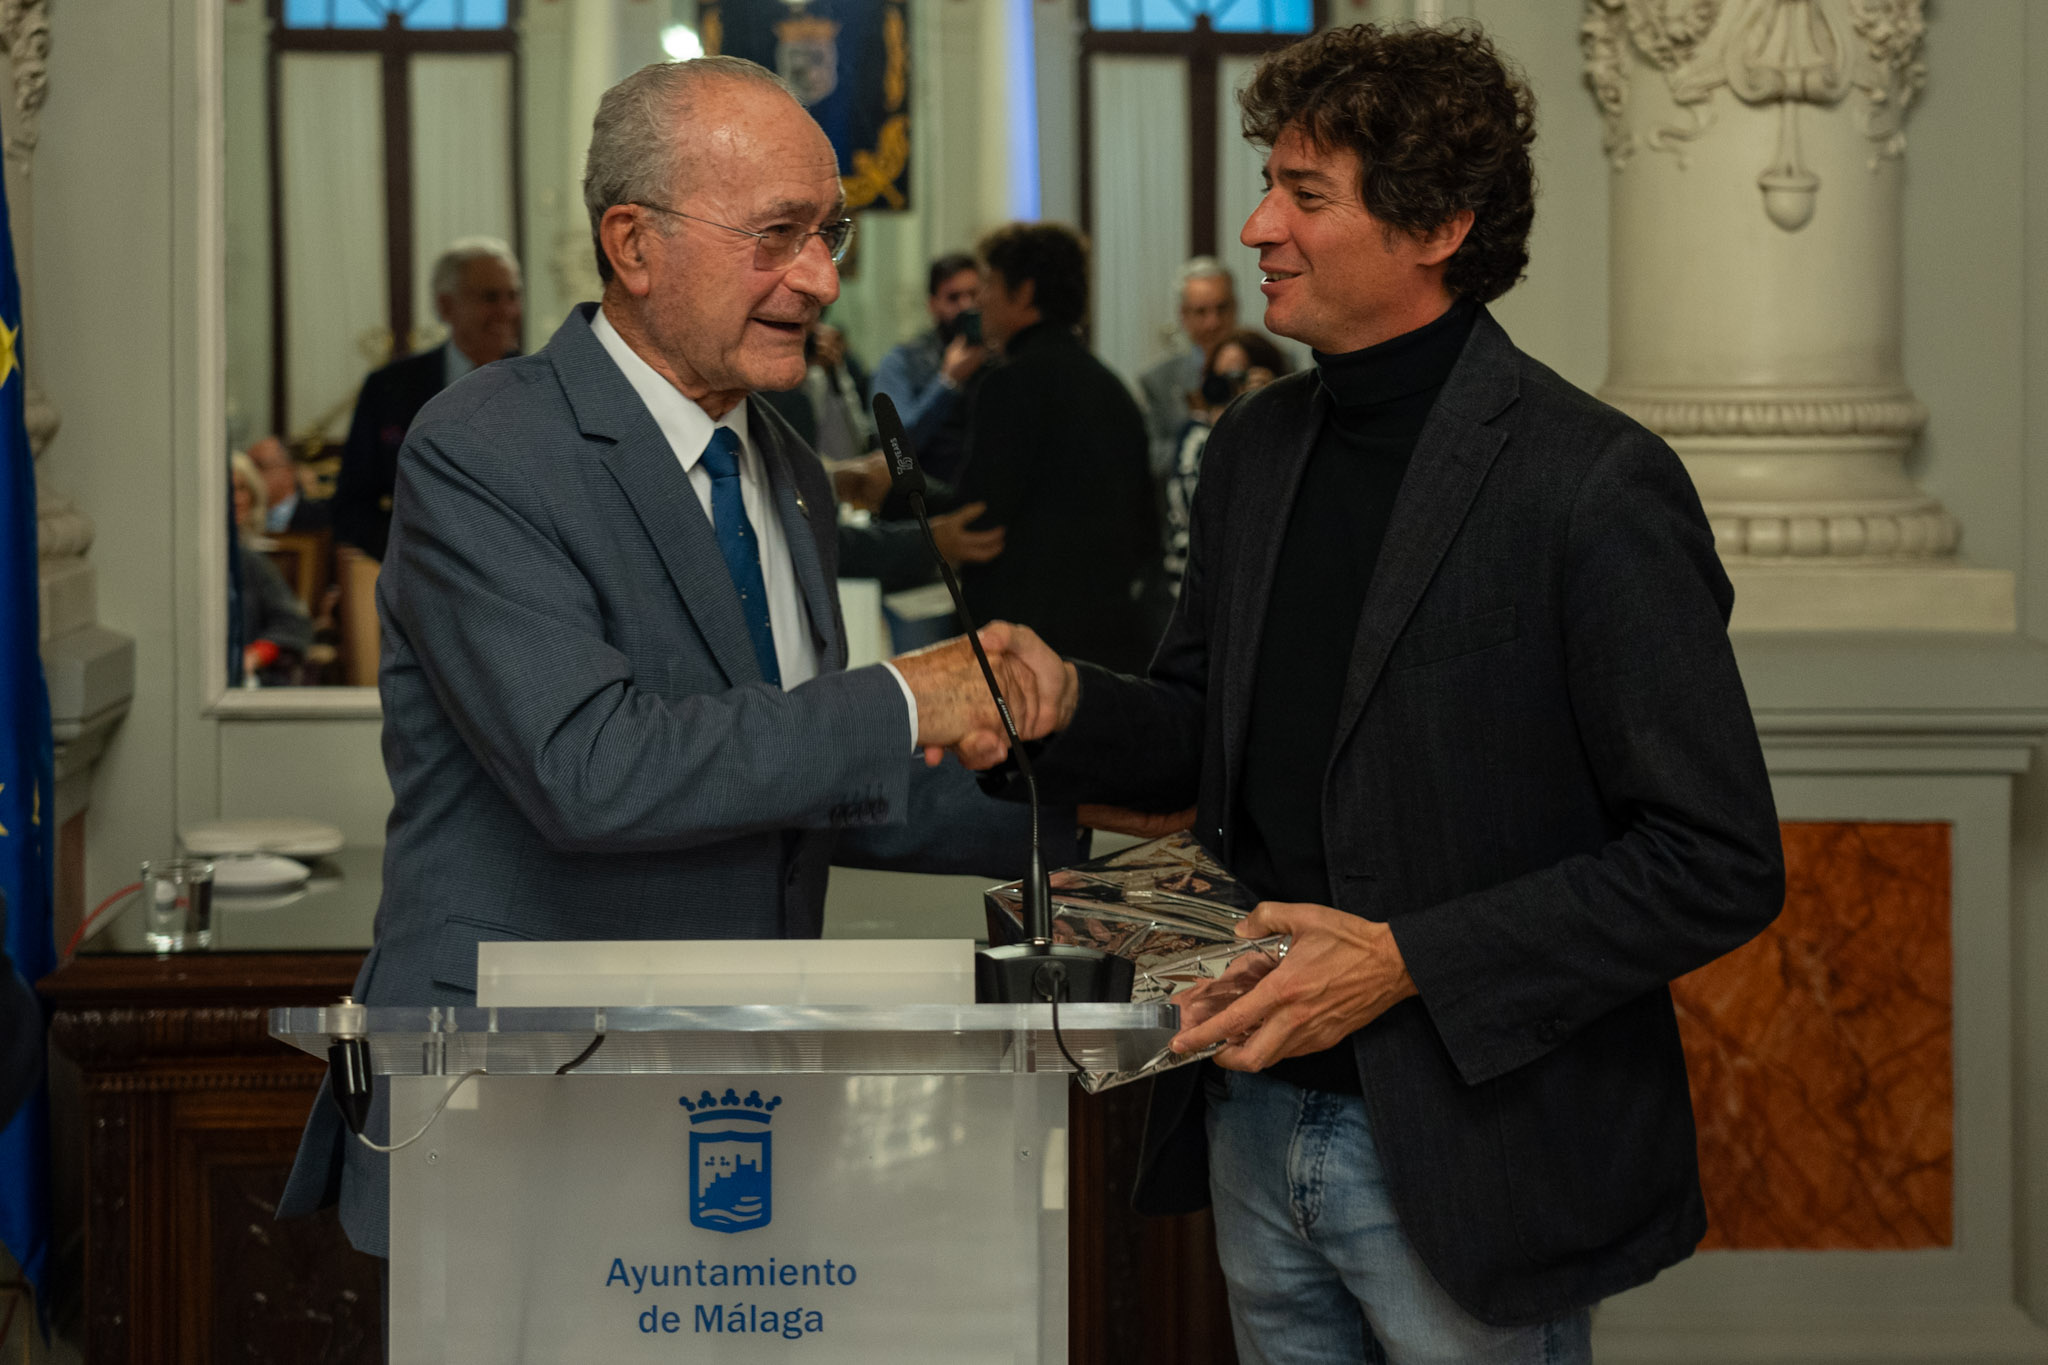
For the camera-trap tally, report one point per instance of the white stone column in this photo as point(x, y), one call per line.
point(91, 670)
point(1758, 149)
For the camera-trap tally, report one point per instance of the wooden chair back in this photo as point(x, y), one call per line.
point(359, 639)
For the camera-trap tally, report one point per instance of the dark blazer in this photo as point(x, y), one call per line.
point(1546, 777)
point(578, 737)
point(1056, 447)
point(311, 515)
point(390, 399)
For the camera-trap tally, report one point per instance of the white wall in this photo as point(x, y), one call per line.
point(100, 345)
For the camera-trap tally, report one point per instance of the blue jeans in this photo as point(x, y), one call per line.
point(1318, 1268)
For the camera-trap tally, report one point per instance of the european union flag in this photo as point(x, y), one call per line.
point(27, 811)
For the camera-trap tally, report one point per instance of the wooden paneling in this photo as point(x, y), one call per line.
point(1143, 1291)
point(190, 1114)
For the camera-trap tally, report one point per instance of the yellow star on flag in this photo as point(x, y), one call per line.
point(8, 335)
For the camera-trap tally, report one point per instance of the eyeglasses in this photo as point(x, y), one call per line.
point(777, 247)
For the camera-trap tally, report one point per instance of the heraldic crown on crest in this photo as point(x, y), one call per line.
point(704, 1109)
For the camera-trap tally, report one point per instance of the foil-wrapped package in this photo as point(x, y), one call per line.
point(1168, 907)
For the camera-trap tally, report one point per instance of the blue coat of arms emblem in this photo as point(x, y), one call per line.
point(731, 1161)
point(807, 56)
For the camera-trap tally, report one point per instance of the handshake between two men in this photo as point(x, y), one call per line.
point(1341, 972)
point(955, 710)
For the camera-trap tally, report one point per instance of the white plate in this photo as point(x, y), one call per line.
point(286, 834)
point(240, 875)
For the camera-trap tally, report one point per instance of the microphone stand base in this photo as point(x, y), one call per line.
point(1032, 973)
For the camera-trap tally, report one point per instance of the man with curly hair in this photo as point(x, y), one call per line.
point(1449, 686)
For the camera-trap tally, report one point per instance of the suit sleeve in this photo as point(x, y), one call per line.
point(893, 553)
point(511, 637)
point(952, 827)
point(358, 519)
point(1166, 415)
point(1695, 867)
point(1137, 742)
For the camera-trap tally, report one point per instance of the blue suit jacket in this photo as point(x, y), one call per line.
point(579, 740)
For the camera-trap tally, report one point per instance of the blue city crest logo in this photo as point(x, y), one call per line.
point(730, 1160)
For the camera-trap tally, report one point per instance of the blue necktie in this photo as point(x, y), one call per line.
point(737, 542)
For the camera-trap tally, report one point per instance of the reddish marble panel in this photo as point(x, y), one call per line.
point(1821, 1052)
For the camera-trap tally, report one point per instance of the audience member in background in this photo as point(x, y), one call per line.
point(1208, 313)
point(276, 631)
point(829, 409)
point(1056, 449)
point(477, 294)
point(289, 509)
point(928, 377)
point(1241, 362)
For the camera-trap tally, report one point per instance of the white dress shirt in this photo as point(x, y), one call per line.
point(688, 429)
point(454, 362)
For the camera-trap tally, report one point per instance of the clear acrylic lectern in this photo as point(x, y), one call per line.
point(842, 1183)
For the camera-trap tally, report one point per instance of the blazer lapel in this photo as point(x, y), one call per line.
point(646, 469)
point(1271, 474)
point(1456, 450)
point(640, 459)
point(802, 537)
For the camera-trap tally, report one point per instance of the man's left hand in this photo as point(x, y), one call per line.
point(1340, 973)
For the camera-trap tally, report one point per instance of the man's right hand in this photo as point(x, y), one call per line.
point(954, 709)
point(1054, 681)
point(961, 360)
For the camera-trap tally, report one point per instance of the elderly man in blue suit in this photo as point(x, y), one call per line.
point(615, 695)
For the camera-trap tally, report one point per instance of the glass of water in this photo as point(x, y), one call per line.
point(177, 904)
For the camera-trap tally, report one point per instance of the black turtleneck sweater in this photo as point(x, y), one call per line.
point(1379, 399)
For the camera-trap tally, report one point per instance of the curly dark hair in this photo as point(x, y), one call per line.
point(1258, 348)
point(1053, 257)
point(1440, 121)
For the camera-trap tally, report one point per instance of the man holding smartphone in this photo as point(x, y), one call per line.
point(928, 376)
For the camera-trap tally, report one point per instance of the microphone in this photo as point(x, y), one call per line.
point(1039, 969)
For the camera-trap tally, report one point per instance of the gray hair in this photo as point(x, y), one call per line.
point(633, 139)
point(1201, 268)
point(448, 266)
point(242, 470)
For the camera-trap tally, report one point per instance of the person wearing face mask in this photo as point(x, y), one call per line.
point(1241, 362)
